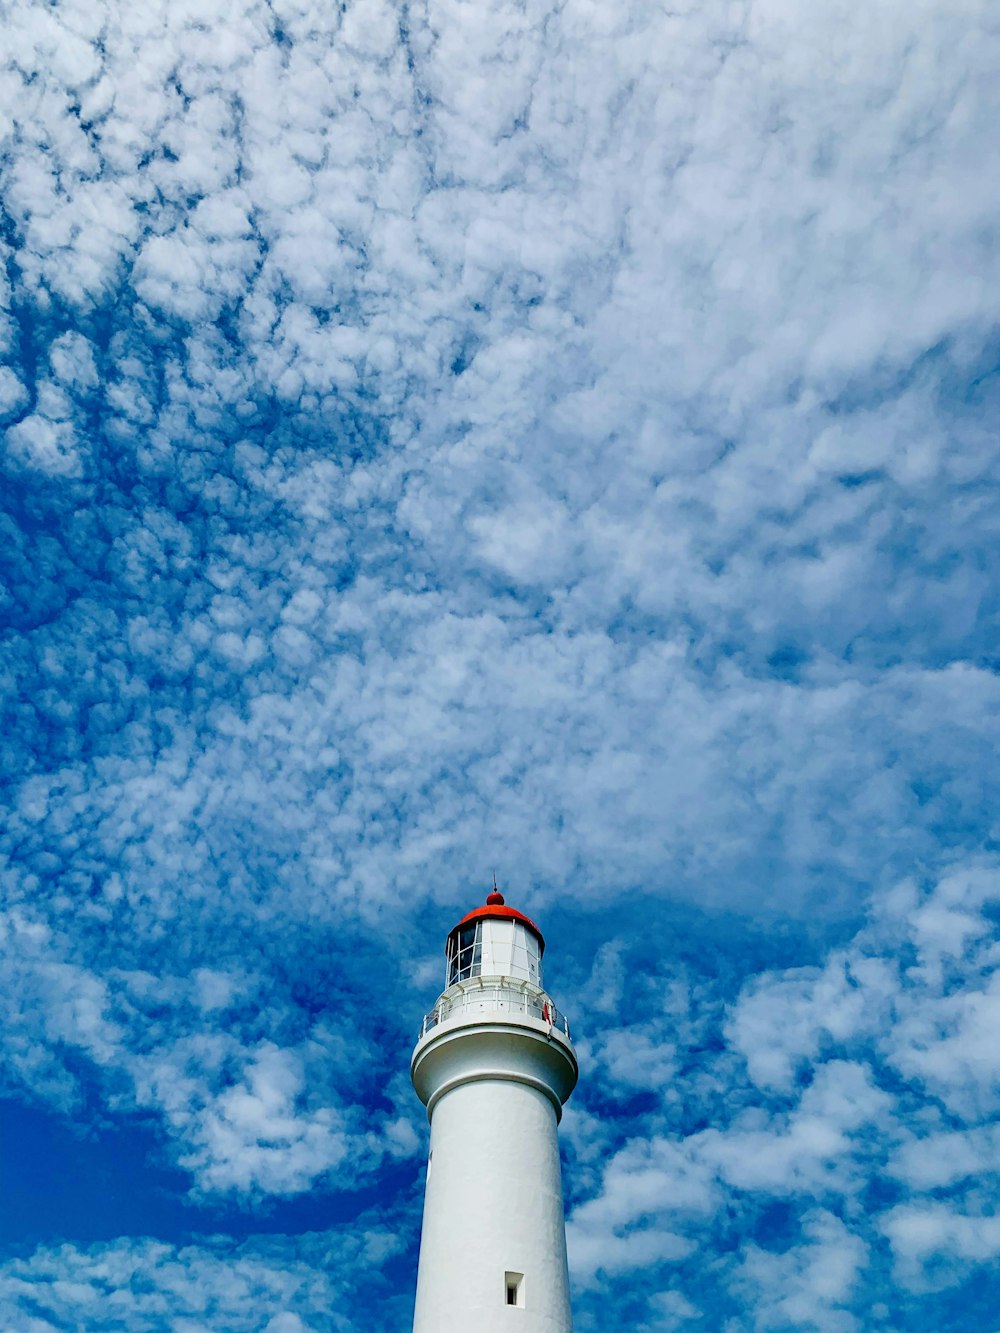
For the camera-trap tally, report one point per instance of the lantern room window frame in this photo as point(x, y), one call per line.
point(465, 953)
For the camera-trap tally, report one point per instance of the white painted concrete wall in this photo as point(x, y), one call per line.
point(493, 1202)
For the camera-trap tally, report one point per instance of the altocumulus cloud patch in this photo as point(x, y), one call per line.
point(551, 437)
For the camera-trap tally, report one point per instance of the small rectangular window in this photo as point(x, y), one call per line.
point(514, 1287)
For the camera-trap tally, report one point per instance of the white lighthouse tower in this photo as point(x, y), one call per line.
point(494, 1065)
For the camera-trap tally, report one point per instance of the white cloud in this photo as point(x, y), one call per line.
point(935, 1160)
point(808, 1286)
point(865, 1070)
point(71, 357)
point(13, 395)
point(48, 445)
point(281, 1284)
point(249, 1117)
point(809, 1152)
point(934, 1244)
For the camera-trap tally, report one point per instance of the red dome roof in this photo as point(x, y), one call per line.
point(495, 909)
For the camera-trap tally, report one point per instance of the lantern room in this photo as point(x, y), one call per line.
point(495, 941)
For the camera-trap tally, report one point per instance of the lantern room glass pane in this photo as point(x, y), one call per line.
point(465, 953)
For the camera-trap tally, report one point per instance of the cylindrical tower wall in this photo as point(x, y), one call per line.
point(493, 1211)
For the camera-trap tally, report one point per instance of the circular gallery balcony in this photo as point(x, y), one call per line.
point(483, 997)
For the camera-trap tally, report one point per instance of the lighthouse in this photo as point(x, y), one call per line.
point(493, 1065)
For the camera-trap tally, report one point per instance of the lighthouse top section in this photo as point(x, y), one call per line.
point(495, 941)
point(494, 1019)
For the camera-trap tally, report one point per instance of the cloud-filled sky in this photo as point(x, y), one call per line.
point(550, 438)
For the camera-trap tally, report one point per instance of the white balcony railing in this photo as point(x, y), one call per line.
point(483, 997)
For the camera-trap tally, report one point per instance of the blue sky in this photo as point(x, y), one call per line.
point(557, 439)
